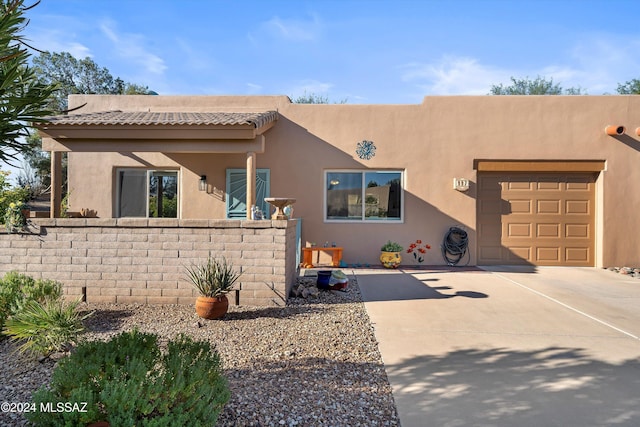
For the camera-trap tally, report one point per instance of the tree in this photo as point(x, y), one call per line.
point(80, 76)
point(313, 98)
point(71, 76)
point(631, 87)
point(23, 98)
point(538, 86)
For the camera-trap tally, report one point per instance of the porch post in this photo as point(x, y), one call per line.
point(251, 181)
point(56, 184)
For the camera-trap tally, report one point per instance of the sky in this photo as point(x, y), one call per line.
point(358, 51)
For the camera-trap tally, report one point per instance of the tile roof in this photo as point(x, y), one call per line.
point(164, 118)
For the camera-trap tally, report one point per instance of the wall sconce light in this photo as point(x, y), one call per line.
point(614, 130)
point(202, 184)
point(638, 131)
point(461, 184)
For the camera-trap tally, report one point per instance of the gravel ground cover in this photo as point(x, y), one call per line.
point(314, 362)
point(629, 271)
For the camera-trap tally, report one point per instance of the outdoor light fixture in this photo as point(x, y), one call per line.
point(614, 130)
point(202, 184)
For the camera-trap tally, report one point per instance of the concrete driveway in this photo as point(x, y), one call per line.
point(508, 346)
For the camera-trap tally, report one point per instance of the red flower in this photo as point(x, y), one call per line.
point(412, 246)
point(409, 250)
point(422, 251)
point(428, 246)
point(419, 242)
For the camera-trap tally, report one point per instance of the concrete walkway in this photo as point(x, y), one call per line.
point(546, 346)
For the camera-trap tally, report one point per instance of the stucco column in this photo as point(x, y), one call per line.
point(56, 184)
point(251, 182)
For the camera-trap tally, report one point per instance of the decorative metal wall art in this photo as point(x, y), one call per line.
point(366, 149)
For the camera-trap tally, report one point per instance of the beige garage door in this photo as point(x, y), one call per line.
point(536, 218)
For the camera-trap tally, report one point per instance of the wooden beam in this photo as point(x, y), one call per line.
point(56, 184)
point(256, 145)
point(251, 181)
point(539, 165)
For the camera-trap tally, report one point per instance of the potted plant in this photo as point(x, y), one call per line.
point(390, 254)
point(213, 280)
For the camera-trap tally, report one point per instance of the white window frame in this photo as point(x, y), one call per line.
point(148, 171)
point(363, 220)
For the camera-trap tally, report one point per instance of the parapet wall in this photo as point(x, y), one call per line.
point(131, 260)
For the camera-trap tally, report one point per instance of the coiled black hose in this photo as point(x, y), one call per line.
point(454, 246)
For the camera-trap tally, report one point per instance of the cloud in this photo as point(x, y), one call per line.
point(453, 75)
point(131, 47)
point(58, 41)
point(193, 58)
point(597, 64)
point(602, 61)
point(254, 88)
point(310, 87)
point(297, 30)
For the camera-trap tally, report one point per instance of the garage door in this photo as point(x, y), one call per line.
point(536, 218)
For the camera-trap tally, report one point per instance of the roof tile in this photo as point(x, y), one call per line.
point(149, 118)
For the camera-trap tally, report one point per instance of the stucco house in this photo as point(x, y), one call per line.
point(552, 180)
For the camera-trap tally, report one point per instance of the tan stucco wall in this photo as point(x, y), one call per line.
point(432, 142)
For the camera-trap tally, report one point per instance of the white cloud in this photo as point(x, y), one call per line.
point(194, 58)
point(131, 47)
point(603, 61)
point(596, 65)
point(309, 87)
point(254, 88)
point(298, 30)
point(58, 41)
point(454, 76)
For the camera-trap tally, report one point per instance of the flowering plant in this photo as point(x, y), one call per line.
point(418, 250)
point(13, 217)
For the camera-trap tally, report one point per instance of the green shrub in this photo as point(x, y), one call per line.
point(128, 381)
point(17, 289)
point(44, 328)
point(10, 195)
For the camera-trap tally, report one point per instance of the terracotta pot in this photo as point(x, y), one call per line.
point(390, 259)
point(212, 308)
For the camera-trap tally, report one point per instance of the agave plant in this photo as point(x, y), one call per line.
point(213, 278)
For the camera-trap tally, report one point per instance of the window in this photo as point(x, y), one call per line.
point(147, 193)
point(363, 196)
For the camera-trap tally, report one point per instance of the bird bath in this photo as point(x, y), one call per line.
point(280, 203)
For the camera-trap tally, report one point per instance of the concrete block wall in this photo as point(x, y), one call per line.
point(131, 260)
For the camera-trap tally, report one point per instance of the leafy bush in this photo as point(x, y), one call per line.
point(10, 195)
point(17, 289)
point(44, 328)
point(128, 381)
point(14, 219)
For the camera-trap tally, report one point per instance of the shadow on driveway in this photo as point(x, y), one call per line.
point(556, 348)
point(501, 387)
point(404, 285)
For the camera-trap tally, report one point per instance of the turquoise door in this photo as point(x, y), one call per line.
point(237, 192)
